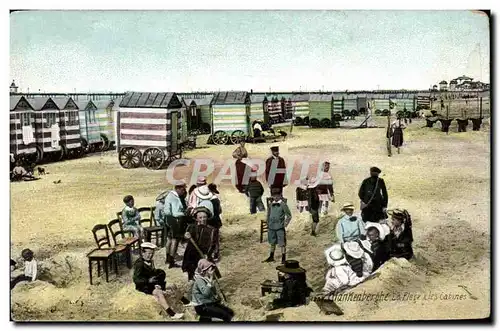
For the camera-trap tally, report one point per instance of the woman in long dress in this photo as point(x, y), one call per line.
point(239, 154)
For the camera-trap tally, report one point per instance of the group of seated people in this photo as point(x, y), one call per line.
point(363, 247)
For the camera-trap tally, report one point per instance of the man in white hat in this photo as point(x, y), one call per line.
point(340, 276)
point(151, 281)
point(376, 235)
point(349, 227)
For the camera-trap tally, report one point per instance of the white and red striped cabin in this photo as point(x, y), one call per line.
point(69, 123)
point(47, 131)
point(274, 110)
point(22, 127)
point(149, 126)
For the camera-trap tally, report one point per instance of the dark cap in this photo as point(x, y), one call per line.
point(375, 169)
point(275, 149)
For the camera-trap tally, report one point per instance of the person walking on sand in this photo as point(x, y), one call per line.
point(278, 218)
point(325, 188)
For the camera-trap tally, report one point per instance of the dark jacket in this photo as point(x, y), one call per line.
point(203, 236)
point(301, 194)
point(143, 272)
point(402, 246)
point(367, 190)
point(279, 178)
point(254, 189)
point(381, 252)
point(313, 199)
point(216, 221)
point(295, 292)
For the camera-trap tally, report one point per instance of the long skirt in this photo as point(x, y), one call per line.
point(397, 137)
point(240, 173)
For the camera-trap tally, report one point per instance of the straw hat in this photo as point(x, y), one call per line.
point(383, 229)
point(148, 245)
point(397, 213)
point(349, 206)
point(353, 249)
point(204, 209)
point(203, 192)
point(335, 255)
point(291, 267)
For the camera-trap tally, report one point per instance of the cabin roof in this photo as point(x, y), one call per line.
point(148, 100)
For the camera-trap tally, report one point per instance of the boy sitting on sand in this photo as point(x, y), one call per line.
point(30, 268)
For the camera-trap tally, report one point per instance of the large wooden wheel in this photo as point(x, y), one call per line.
point(298, 121)
point(101, 146)
point(85, 145)
point(106, 144)
point(60, 154)
point(306, 120)
point(220, 138)
point(325, 123)
point(314, 123)
point(153, 158)
point(354, 112)
point(238, 136)
point(346, 113)
point(129, 158)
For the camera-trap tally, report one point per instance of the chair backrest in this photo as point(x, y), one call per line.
point(145, 222)
point(118, 231)
point(119, 217)
point(102, 241)
point(146, 212)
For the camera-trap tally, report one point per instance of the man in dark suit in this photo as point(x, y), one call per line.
point(373, 196)
point(275, 170)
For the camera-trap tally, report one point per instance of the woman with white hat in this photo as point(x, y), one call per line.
point(340, 276)
point(201, 195)
point(349, 227)
point(376, 235)
point(151, 281)
point(359, 259)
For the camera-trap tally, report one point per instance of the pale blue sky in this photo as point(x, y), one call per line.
point(59, 51)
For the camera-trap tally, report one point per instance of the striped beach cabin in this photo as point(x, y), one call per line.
point(149, 129)
point(275, 111)
point(321, 110)
point(89, 125)
point(47, 131)
point(230, 117)
point(22, 129)
point(106, 117)
point(258, 108)
point(300, 104)
point(69, 125)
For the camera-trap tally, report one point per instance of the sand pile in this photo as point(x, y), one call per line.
point(63, 269)
point(35, 300)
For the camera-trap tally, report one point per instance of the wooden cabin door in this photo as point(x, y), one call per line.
point(175, 132)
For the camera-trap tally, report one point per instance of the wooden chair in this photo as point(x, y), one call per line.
point(123, 238)
point(270, 286)
point(105, 251)
point(151, 227)
point(263, 223)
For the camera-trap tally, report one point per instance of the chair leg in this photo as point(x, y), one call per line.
point(116, 264)
point(98, 268)
point(129, 257)
point(106, 270)
point(90, 271)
